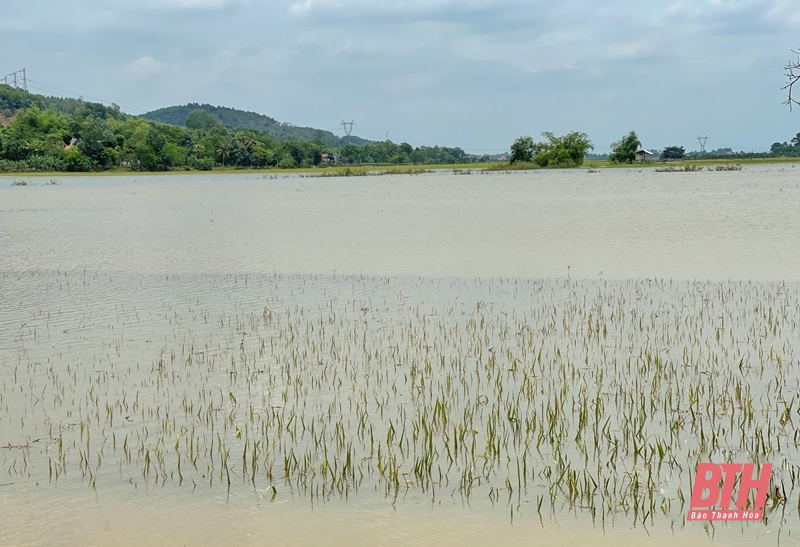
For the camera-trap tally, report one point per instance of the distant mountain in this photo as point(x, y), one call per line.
point(240, 119)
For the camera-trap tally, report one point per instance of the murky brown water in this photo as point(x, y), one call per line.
point(623, 223)
point(394, 360)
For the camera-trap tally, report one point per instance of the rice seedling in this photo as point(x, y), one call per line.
point(559, 396)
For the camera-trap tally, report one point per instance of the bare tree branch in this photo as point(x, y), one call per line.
point(792, 69)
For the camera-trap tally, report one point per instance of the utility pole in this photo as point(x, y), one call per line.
point(348, 127)
point(15, 78)
point(702, 141)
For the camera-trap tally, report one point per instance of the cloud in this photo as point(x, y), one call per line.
point(299, 8)
point(471, 73)
point(126, 6)
point(145, 67)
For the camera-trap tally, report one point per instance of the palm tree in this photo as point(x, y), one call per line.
point(224, 151)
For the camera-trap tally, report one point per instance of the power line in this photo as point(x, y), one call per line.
point(14, 78)
point(348, 127)
point(41, 85)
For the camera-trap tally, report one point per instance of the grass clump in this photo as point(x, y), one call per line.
point(680, 169)
point(365, 171)
point(697, 168)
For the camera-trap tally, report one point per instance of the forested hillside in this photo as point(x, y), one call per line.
point(40, 133)
point(239, 119)
point(12, 100)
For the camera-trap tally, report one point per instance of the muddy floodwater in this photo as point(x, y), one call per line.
point(507, 358)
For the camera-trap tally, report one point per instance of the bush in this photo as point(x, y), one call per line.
point(203, 164)
point(624, 150)
point(567, 151)
point(287, 162)
point(9, 166)
point(673, 153)
point(46, 163)
point(75, 161)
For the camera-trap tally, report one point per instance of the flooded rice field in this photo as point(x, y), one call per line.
point(430, 359)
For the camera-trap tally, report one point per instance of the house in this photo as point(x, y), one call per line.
point(641, 155)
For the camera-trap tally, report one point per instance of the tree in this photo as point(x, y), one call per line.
point(522, 150)
point(33, 131)
point(673, 153)
point(223, 150)
point(74, 160)
point(624, 150)
point(350, 154)
point(97, 142)
point(792, 69)
point(200, 120)
point(567, 151)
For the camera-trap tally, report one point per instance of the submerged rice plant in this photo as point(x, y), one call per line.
point(559, 396)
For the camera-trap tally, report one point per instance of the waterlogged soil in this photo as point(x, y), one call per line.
point(429, 359)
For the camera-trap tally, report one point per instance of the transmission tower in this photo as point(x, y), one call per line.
point(17, 79)
point(348, 127)
point(702, 141)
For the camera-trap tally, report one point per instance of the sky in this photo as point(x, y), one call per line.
point(471, 73)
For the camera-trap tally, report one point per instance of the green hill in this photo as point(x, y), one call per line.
point(13, 99)
point(239, 119)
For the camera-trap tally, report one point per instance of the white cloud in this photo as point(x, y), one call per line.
point(299, 8)
point(145, 67)
point(128, 6)
point(512, 65)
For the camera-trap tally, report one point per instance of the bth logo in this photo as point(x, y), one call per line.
point(710, 502)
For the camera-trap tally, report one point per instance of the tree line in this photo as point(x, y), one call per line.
point(52, 134)
point(239, 120)
point(572, 149)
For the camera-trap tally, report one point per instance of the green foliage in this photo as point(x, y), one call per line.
point(12, 100)
point(50, 134)
point(784, 149)
point(673, 153)
point(97, 143)
point(239, 120)
point(522, 150)
point(567, 151)
point(33, 132)
point(74, 160)
point(200, 119)
point(624, 150)
point(387, 152)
